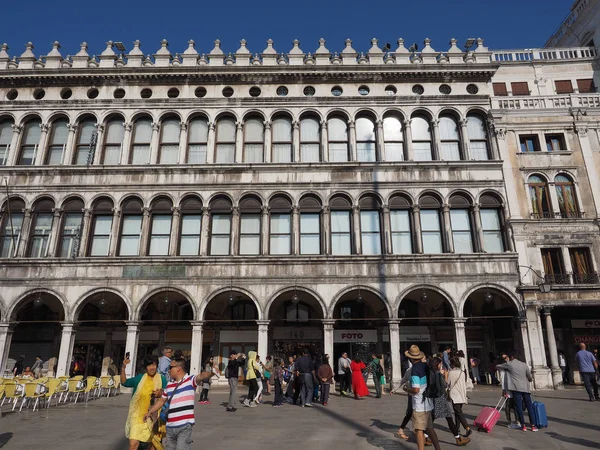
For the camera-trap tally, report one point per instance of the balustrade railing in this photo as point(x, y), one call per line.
point(546, 101)
point(572, 278)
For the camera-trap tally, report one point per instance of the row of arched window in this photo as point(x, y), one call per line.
point(254, 228)
point(252, 141)
point(545, 201)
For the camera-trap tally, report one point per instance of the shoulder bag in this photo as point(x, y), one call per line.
point(164, 411)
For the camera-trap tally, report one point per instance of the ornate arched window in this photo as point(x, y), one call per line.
point(170, 131)
point(478, 138)
point(101, 228)
point(113, 141)
point(30, 142)
point(431, 224)
point(191, 226)
point(197, 140)
point(281, 130)
point(160, 227)
point(310, 225)
point(71, 227)
point(460, 221)
point(310, 139)
point(492, 224)
point(421, 139)
point(337, 130)
point(141, 141)
point(250, 225)
point(538, 192)
point(370, 225)
point(41, 227)
point(10, 227)
point(565, 193)
point(220, 226)
point(6, 134)
point(341, 226)
point(449, 139)
point(254, 140)
point(225, 148)
point(280, 226)
point(365, 140)
point(393, 138)
point(57, 142)
point(131, 228)
point(401, 223)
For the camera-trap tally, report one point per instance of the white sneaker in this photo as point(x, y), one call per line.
point(514, 426)
point(246, 402)
point(253, 405)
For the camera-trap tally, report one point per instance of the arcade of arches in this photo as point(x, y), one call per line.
point(105, 326)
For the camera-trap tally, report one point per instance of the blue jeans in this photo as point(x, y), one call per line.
point(306, 394)
point(518, 398)
point(179, 438)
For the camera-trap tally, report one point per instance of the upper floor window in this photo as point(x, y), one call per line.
point(492, 224)
point(421, 137)
point(57, 143)
point(250, 226)
point(160, 227)
point(500, 89)
point(538, 192)
point(400, 220)
point(142, 138)
point(282, 140)
point(365, 140)
point(393, 138)
point(565, 193)
point(220, 226)
point(431, 229)
point(254, 136)
point(554, 268)
point(555, 142)
point(338, 139)
point(586, 86)
point(370, 225)
point(86, 129)
point(30, 142)
point(169, 141)
point(341, 226)
point(297, 312)
point(113, 141)
point(581, 261)
point(449, 138)
point(225, 148)
point(478, 139)
point(563, 86)
point(529, 143)
point(101, 227)
point(460, 221)
point(131, 228)
point(310, 226)
point(41, 227)
point(310, 140)
point(191, 227)
point(10, 227)
point(70, 230)
point(520, 88)
point(280, 226)
point(6, 134)
point(197, 140)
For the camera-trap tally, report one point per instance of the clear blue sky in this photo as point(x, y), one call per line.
point(505, 24)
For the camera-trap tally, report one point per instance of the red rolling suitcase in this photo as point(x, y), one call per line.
point(488, 417)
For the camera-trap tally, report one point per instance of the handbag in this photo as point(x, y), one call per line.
point(164, 411)
point(267, 374)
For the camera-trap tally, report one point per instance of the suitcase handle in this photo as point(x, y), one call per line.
point(501, 403)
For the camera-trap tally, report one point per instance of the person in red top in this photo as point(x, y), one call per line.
point(359, 387)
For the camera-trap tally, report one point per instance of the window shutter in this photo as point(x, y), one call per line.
point(563, 86)
point(500, 89)
point(520, 88)
point(586, 86)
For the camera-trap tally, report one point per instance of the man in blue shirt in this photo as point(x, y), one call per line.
point(165, 361)
point(587, 368)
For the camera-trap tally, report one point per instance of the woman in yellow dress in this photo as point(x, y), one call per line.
point(146, 387)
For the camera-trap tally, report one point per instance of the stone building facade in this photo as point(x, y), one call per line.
point(281, 201)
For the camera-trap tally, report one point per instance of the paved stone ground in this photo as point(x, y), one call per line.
point(344, 424)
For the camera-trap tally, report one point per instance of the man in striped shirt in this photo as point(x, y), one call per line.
point(181, 392)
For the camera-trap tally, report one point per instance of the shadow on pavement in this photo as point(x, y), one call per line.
point(572, 440)
point(4, 438)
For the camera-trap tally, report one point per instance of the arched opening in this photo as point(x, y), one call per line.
point(229, 324)
point(99, 347)
point(165, 321)
point(296, 324)
point(36, 331)
point(492, 327)
point(426, 316)
point(361, 325)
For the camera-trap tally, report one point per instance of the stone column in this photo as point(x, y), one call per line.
point(267, 157)
point(5, 341)
point(541, 375)
point(84, 231)
point(183, 143)
point(66, 349)
point(352, 140)
point(70, 145)
point(525, 347)
point(460, 335)
point(264, 230)
point(395, 352)
point(418, 239)
point(197, 341)
point(557, 381)
point(239, 142)
point(235, 231)
point(465, 144)
point(145, 234)
point(324, 142)
point(380, 142)
point(175, 231)
point(13, 156)
point(437, 142)
point(99, 141)
point(476, 213)
point(326, 238)
point(210, 144)
point(295, 230)
point(41, 149)
point(387, 231)
point(590, 164)
point(328, 325)
point(23, 242)
point(131, 346)
point(409, 154)
point(356, 230)
point(107, 357)
point(114, 232)
point(155, 143)
point(263, 338)
point(296, 140)
point(448, 229)
point(53, 242)
point(204, 231)
point(126, 143)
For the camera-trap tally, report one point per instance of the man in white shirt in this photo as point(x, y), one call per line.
point(345, 374)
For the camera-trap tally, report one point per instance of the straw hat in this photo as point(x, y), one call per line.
point(414, 352)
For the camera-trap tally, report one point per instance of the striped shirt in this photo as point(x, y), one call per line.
point(181, 410)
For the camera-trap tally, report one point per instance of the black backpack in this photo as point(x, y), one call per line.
point(435, 385)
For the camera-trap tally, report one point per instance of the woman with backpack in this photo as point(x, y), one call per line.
point(377, 371)
point(457, 381)
point(437, 389)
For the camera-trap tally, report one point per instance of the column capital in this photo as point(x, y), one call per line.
point(435, 123)
point(546, 310)
point(351, 124)
point(328, 322)
point(44, 127)
point(239, 125)
point(183, 126)
point(379, 123)
point(295, 209)
point(197, 325)
point(464, 122)
point(155, 126)
point(581, 130)
point(57, 212)
point(127, 126)
point(145, 211)
point(325, 209)
point(73, 127)
point(355, 208)
point(406, 123)
point(116, 212)
point(265, 210)
point(263, 323)
point(99, 127)
point(205, 210)
point(295, 124)
point(416, 208)
point(6, 327)
point(476, 207)
point(323, 124)
point(235, 210)
point(460, 321)
point(267, 124)
point(385, 208)
point(17, 128)
point(27, 212)
point(211, 126)
point(67, 325)
point(131, 325)
point(394, 321)
point(446, 208)
point(176, 210)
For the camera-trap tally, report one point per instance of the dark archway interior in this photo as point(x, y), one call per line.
point(167, 307)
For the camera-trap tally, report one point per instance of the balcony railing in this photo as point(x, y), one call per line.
point(543, 54)
point(547, 101)
point(558, 215)
point(543, 215)
point(572, 278)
